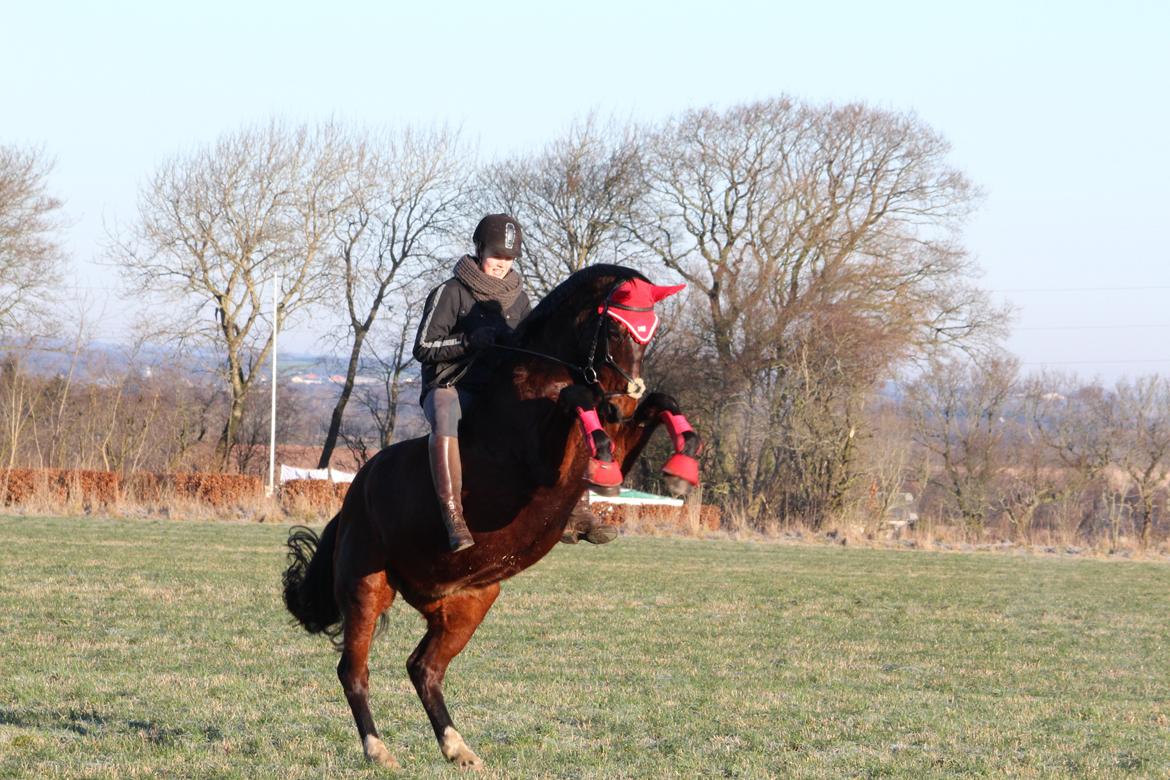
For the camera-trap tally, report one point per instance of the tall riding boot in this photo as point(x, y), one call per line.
point(583, 524)
point(447, 474)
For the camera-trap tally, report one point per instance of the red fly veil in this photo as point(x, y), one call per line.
point(632, 304)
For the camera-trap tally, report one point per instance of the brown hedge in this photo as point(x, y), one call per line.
point(20, 485)
point(656, 516)
point(89, 488)
point(105, 488)
point(217, 490)
point(316, 495)
point(102, 489)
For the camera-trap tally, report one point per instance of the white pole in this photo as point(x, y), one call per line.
point(272, 414)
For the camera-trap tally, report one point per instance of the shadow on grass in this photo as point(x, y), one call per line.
point(88, 722)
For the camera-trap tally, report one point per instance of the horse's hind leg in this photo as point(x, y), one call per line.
point(362, 603)
point(450, 623)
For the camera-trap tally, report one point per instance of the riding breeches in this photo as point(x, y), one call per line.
point(443, 407)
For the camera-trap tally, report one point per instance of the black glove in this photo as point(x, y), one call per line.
point(481, 337)
point(506, 337)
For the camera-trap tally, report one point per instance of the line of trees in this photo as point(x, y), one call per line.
point(822, 249)
point(998, 448)
point(983, 450)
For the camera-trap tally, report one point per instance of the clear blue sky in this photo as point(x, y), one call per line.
point(1058, 111)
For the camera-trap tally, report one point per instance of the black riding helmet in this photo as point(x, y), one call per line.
point(497, 235)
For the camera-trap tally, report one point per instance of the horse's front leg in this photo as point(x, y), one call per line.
point(603, 474)
point(451, 621)
point(682, 468)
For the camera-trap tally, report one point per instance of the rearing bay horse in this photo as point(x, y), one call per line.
point(526, 455)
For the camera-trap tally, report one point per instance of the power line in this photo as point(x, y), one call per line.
point(1141, 288)
point(1093, 362)
point(1104, 326)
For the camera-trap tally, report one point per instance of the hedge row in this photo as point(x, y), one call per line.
point(103, 489)
point(312, 495)
point(93, 489)
point(321, 496)
point(658, 516)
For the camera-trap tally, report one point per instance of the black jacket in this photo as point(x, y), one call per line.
point(451, 314)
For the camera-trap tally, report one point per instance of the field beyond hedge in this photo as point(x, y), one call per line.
point(139, 649)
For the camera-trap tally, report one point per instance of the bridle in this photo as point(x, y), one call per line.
point(635, 386)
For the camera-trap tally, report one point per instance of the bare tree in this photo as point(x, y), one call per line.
point(1112, 447)
point(30, 258)
point(885, 465)
point(821, 247)
point(403, 199)
point(1076, 421)
point(1143, 453)
point(59, 391)
point(217, 226)
point(774, 211)
point(572, 198)
point(19, 396)
point(957, 411)
point(388, 359)
point(1076, 424)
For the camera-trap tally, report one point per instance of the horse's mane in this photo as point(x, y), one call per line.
point(564, 300)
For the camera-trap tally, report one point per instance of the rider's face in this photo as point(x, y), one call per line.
point(496, 266)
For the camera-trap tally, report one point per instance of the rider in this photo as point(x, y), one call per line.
point(482, 302)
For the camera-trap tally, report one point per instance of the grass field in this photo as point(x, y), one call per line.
point(161, 649)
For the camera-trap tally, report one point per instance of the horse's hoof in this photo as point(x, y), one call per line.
point(377, 753)
point(684, 467)
point(609, 491)
point(677, 485)
point(471, 763)
point(601, 534)
point(603, 474)
point(456, 751)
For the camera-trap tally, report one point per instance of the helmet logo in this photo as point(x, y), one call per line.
point(509, 236)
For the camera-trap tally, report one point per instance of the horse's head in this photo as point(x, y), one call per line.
point(600, 320)
point(626, 323)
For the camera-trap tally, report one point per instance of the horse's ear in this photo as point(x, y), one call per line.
point(658, 293)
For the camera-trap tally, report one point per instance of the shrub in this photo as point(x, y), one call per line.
point(312, 496)
point(658, 517)
point(55, 487)
point(104, 489)
point(218, 489)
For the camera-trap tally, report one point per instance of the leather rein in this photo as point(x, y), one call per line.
point(635, 387)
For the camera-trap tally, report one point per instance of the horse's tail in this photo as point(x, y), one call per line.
point(308, 580)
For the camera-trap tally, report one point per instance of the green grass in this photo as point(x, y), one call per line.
point(161, 649)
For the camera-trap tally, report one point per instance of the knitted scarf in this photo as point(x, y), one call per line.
point(488, 288)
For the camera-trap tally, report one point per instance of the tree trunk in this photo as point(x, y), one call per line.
point(231, 428)
point(1147, 519)
point(339, 410)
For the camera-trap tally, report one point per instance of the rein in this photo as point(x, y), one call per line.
point(635, 387)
